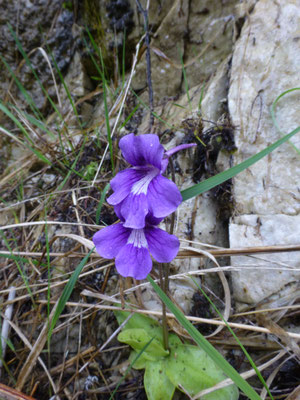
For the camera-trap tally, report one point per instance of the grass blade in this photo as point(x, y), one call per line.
point(105, 86)
point(205, 345)
point(102, 198)
point(273, 112)
point(252, 363)
point(19, 265)
point(231, 172)
point(24, 92)
point(66, 89)
point(129, 368)
point(67, 293)
point(27, 60)
point(20, 126)
point(153, 112)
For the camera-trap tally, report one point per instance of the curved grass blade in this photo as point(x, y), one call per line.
point(231, 172)
point(27, 60)
point(24, 92)
point(273, 112)
point(20, 126)
point(205, 345)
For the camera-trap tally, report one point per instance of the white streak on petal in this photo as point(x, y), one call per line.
point(138, 238)
point(141, 186)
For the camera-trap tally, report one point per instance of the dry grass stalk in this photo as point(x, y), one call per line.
point(169, 315)
point(35, 352)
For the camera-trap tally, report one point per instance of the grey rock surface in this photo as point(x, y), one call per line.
point(40, 23)
point(268, 273)
point(196, 34)
point(265, 63)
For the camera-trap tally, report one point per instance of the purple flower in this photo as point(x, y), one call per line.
point(142, 189)
point(132, 247)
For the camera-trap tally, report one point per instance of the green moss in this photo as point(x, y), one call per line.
point(95, 23)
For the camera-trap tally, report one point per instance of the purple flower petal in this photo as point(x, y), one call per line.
point(134, 210)
point(169, 153)
point(151, 220)
point(142, 150)
point(122, 184)
point(163, 246)
point(117, 209)
point(134, 261)
point(163, 197)
point(110, 240)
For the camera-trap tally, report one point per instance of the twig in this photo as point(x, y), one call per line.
point(170, 315)
point(115, 333)
point(6, 326)
point(148, 60)
point(35, 352)
point(122, 96)
point(27, 343)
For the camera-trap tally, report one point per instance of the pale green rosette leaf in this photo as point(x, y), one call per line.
point(190, 367)
point(140, 321)
point(140, 362)
point(138, 339)
point(157, 384)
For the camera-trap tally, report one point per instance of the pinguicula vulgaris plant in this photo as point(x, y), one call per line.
point(142, 198)
point(182, 365)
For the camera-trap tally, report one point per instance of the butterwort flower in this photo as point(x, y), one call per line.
point(142, 190)
point(131, 248)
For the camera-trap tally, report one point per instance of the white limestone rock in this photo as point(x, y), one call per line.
point(265, 63)
point(253, 285)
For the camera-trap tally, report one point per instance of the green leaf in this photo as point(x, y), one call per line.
point(192, 368)
point(157, 385)
point(138, 355)
point(205, 345)
point(137, 338)
point(140, 321)
point(173, 340)
point(140, 363)
point(231, 172)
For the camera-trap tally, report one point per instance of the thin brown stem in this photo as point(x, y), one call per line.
point(148, 61)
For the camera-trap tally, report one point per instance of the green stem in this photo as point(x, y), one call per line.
point(164, 316)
